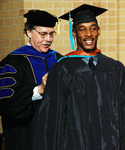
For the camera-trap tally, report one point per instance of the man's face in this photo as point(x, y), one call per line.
point(86, 35)
point(41, 38)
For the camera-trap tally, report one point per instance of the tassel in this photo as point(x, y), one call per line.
point(58, 27)
point(70, 33)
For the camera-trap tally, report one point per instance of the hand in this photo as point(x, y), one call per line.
point(43, 84)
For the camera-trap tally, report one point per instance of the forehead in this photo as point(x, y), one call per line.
point(44, 29)
point(90, 24)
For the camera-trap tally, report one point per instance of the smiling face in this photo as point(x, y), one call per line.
point(37, 40)
point(86, 35)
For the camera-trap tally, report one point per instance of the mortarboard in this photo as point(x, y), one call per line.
point(82, 14)
point(40, 18)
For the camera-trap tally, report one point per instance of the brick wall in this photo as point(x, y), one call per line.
point(11, 26)
point(112, 24)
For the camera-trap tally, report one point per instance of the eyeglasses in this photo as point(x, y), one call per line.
point(44, 34)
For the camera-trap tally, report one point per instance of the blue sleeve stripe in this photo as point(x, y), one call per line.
point(6, 93)
point(7, 69)
point(8, 81)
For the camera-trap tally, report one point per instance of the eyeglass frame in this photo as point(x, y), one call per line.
point(44, 34)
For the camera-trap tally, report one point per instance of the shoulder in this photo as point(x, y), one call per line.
point(109, 59)
point(56, 53)
point(109, 62)
point(70, 66)
point(15, 60)
point(20, 50)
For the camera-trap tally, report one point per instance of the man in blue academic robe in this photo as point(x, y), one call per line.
point(23, 76)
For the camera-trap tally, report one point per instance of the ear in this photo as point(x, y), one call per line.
point(74, 33)
point(29, 33)
point(98, 31)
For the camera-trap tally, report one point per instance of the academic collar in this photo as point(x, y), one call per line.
point(80, 54)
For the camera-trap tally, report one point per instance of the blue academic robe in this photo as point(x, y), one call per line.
point(20, 72)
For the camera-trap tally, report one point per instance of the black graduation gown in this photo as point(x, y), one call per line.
point(83, 109)
point(19, 74)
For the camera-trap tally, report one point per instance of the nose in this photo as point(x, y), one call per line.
point(88, 32)
point(48, 38)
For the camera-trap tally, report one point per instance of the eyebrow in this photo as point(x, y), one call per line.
point(84, 25)
point(46, 32)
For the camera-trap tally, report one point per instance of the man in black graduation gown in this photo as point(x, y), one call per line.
point(21, 82)
point(83, 106)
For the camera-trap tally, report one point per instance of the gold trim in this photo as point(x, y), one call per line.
point(31, 68)
point(8, 72)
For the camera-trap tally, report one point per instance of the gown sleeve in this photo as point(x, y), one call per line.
point(51, 116)
point(16, 87)
point(122, 96)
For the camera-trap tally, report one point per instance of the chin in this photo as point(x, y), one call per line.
point(44, 50)
point(88, 49)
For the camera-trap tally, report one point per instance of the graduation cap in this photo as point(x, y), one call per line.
point(40, 18)
point(82, 14)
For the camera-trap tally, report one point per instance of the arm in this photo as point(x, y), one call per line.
point(16, 100)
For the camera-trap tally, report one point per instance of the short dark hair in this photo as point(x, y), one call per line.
point(28, 26)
